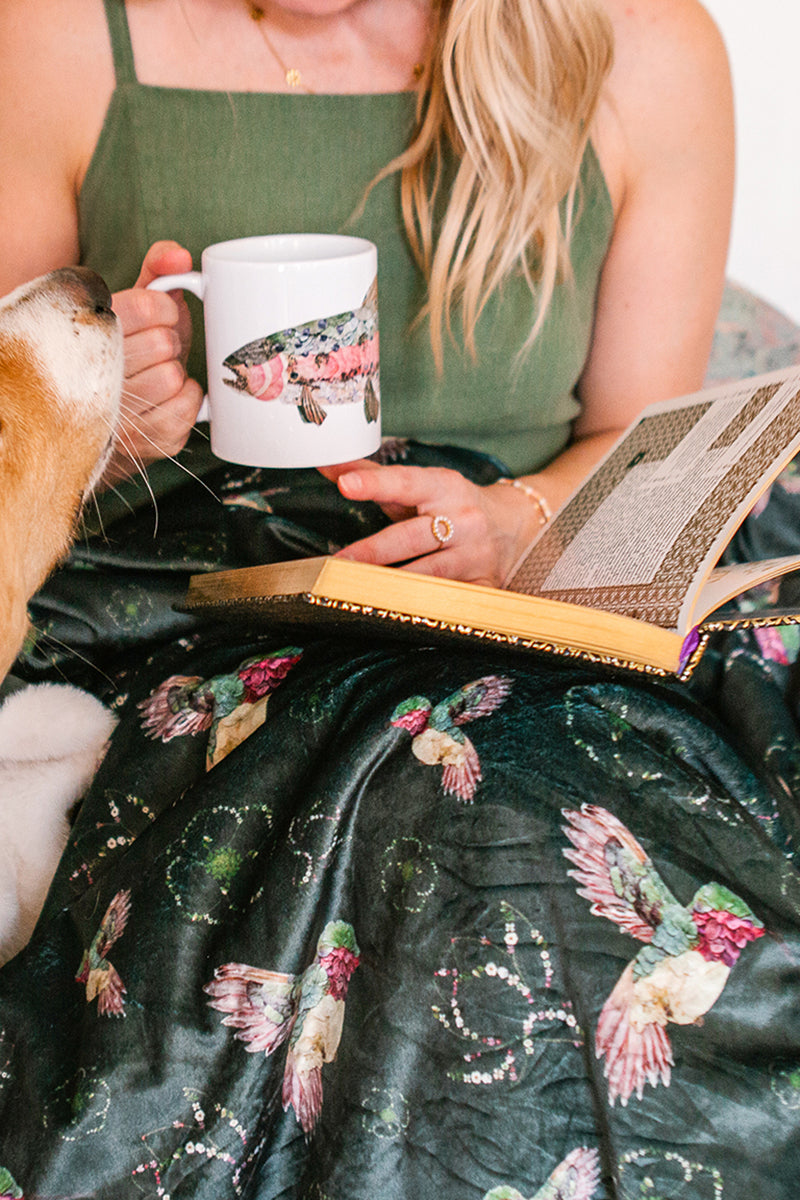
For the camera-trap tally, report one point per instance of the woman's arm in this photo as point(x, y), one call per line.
point(664, 136)
point(57, 79)
point(666, 142)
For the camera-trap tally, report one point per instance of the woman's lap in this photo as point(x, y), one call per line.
point(473, 1054)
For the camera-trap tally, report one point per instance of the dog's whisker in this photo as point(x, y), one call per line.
point(82, 532)
point(44, 638)
point(139, 463)
point(128, 416)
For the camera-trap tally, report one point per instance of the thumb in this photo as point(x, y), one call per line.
point(163, 258)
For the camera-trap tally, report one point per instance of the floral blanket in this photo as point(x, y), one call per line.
point(343, 918)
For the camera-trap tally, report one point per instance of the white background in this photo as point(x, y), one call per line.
point(763, 40)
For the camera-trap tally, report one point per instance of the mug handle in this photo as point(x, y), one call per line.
point(192, 281)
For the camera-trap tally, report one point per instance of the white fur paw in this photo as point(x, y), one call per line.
point(52, 721)
point(52, 739)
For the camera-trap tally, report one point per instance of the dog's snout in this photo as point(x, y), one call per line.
point(85, 287)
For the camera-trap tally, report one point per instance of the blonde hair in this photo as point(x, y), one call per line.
point(511, 89)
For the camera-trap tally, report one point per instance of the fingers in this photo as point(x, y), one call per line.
point(412, 545)
point(152, 346)
point(404, 541)
point(447, 504)
point(402, 491)
point(335, 470)
point(353, 489)
point(160, 403)
point(412, 487)
point(150, 432)
point(486, 531)
point(163, 258)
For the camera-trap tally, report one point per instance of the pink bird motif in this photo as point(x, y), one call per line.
point(436, 730)
point(230, 707)
point(100, 976)
point(686, 960)
point(576, 1178)
point(267, 1008)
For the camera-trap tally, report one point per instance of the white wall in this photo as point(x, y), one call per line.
point(763, 40)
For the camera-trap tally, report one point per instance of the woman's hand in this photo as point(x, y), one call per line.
point(160, 403)
point(491, 526)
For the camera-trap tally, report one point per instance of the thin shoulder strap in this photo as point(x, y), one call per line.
point(121, 48)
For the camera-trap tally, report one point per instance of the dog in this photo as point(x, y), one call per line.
point(61, 368)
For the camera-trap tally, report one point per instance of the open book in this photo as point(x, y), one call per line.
point(626, 572)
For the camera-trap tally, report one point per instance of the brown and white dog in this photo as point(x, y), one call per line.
point(60, 387)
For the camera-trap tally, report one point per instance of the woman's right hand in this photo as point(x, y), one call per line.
point(160, 402)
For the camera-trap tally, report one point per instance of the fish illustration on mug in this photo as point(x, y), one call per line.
point(330, 360)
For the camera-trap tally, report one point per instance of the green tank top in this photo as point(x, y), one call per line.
point(202, 167)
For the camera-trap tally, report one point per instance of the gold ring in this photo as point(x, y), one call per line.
point(442, 529)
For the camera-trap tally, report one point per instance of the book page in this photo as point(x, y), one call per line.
point(736, 578)
point(644, 530)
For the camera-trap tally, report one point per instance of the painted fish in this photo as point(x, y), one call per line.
point(329, 352)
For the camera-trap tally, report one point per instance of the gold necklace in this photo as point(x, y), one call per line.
point(293, 78)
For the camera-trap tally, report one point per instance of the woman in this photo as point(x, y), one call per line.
point(661, 125)
point(313, 936)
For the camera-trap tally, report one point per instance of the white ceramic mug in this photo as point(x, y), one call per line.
point(291, 325)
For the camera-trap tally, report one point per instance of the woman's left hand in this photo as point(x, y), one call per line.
point(489, 526)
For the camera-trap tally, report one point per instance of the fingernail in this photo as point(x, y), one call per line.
point(351, 481)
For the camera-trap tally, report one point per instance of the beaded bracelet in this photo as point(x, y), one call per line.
point(544, 508)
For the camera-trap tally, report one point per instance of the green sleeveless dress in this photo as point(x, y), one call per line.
point(201, 167)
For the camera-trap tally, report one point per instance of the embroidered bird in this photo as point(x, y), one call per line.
point(229, 706)
point(684, 965)
point(96, 972)
point(576, 1178)
point(318, 357)
point(436, 736)
point(267, 1008)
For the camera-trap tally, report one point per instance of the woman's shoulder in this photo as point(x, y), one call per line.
point(668, 96)
point(660, 21)
point(69, 24)
point(57, 77)
point(664, 44)
point(61, 55)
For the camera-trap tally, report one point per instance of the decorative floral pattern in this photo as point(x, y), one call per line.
point(230, 707)
point(212, 1140)
point(686, 960)
point(436, 730)
point(463, 1056)
point(679, 1177)
point(210, 858)
point(480, 971)
point(267, 1008)
point(576, 1178)
point(96, 971)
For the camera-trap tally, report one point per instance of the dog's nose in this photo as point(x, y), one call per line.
point(85, 287)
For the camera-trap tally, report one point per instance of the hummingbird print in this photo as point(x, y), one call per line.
point(331, 356)
point(682, 968)
point(229, 706)
point(96, 972)
point(268, 1008)
point(436, 737)
point(9, 1188)
point(576, 1178)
